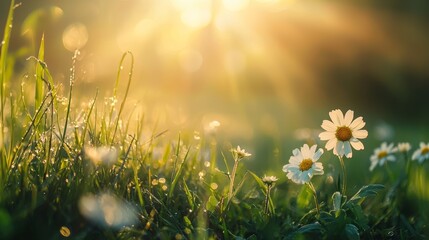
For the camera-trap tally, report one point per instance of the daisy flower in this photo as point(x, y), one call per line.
point(240, 153)
point(303, 164)
point(269, 180)
point(342, 133)
point(404, 147)
point(422, 153)
point(382, 154)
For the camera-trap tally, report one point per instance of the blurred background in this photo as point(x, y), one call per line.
point(268, 70)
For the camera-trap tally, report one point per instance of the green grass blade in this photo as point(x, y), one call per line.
point(3, 59)
point(40, 74)
point(3, 84)
point(130, 76)
point(178, 174)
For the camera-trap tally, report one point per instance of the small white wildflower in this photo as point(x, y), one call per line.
point(303, 164)
point(240, 153)
point(422, 153)
point(212, 127)
point(342, 133)
point(382, 154)
point(269, 180)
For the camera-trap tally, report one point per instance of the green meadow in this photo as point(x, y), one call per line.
point(273, 119)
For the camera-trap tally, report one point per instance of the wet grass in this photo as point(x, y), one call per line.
point(99, 171)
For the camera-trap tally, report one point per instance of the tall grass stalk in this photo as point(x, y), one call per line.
point(130, 76)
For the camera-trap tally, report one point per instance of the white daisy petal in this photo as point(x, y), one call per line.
point(331, 144)
point(317, 154)
point(416, 154)
point(295, 152)
point(347, 150)
point(305, 151)
point(348, 118)
point(356, 124)
point(326, 135)
point(356, 144)
point(373, 164)
point(339, 149)
point(360, 134)
point(336, 116)
point(329, 126)
point(313, 149)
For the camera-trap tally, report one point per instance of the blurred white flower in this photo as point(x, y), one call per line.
point(102, 155)
point(403, 147)
point(212, 127)
point(107, 210)
point(422, 153)
point(303, 164)
point(342, 133)
point(240, 153)
point(382, 154)
point(269, 180)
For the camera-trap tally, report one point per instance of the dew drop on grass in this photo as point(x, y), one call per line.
point(390, 233)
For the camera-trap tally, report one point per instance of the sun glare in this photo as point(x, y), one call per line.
point(236, 49)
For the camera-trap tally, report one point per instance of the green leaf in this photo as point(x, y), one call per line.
point(187, 221)
point(359, 216)
point(211, 203)
point(259, 181)
point(304, 198)
point(366, 191)
point(188, 195)
point(336, 201)
point(309, 228)
point(352, 232)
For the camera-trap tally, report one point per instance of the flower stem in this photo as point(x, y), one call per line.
point(344, 175)
point(310, 184)
point(389, 172)
point(408, 164)
point(267, 200)
point(232, 178)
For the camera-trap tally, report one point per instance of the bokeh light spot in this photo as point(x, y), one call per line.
point(75, 36)
point(65, 231)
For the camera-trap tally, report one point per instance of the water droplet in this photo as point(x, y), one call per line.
point(390, 233)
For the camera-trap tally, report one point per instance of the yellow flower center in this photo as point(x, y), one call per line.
point(305, 165)
point(425, 150)
point(382, 154)
point(343, 133)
